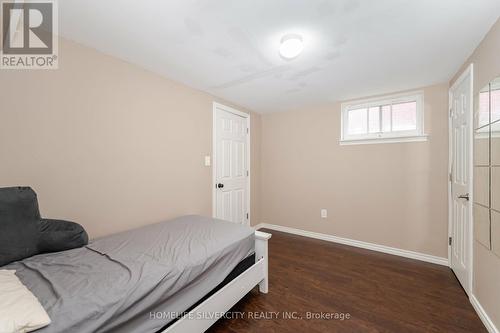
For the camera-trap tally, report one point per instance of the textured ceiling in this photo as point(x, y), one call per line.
point(229, 48)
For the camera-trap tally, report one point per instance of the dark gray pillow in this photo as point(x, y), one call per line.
point(19, 231)
point(23, 233)
point(59, 235)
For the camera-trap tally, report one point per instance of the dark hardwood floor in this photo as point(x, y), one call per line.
point(380, 292)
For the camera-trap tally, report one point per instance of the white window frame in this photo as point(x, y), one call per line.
point(398, 136)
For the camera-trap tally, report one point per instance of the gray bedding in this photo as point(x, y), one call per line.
point(116, 282)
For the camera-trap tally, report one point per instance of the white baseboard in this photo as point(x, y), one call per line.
point(356, 243)
point(490, 326)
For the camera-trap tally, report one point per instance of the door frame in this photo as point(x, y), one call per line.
point(469, 71)
point(216, 106)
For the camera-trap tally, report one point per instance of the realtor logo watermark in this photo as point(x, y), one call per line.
point(29, 35)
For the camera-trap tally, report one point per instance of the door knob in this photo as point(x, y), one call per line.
point(220, 185)
point(464, 196)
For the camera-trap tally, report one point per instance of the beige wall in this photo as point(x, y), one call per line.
point(390, 194)
point(108, 144)
point(486, 281)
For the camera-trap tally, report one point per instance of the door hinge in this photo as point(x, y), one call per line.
point(449, 241)
point(248, 173)
point(248, 130)
point(451, 112)
point(450, 177)
point(247, 216)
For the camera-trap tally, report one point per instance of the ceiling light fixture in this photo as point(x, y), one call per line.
point(291, 46)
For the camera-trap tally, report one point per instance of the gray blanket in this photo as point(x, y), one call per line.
point(114, 283)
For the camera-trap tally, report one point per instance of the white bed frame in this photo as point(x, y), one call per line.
point(201, 318)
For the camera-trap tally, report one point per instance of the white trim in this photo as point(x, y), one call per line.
point(450, 163)
point(469, 71)
point(356, 243)
point(214, 156)
point(418, 138)
point(385, 99)
point(230, 109)
point(417, 96)
point(199, 319)
point(488, 323)
point(471, 195)
point(260, 226)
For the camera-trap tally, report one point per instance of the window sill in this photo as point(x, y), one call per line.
point(418, 138)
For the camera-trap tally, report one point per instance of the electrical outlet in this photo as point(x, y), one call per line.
point(324, 213)
point(207, 160)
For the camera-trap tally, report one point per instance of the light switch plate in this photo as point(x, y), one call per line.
point(207, 160)
point(324, 213)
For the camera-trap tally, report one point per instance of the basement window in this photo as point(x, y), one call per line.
point(397, 118)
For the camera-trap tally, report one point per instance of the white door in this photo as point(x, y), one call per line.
point(231, 165)
point(461, 178)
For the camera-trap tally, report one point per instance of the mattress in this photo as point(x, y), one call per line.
point(239, 269)
point(135, 281)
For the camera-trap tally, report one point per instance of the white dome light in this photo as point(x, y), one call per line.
point(291, 46)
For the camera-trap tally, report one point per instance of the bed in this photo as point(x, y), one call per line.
point(144, 280)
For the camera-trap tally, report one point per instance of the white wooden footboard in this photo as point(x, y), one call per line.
point(261, 252)
point(207, 313)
